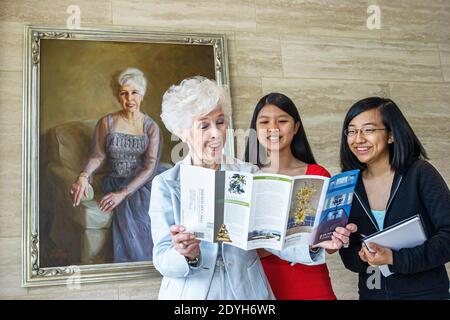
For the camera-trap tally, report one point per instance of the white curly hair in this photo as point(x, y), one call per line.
point(133, 75)
point(192, 98)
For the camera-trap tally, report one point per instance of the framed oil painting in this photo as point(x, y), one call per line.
point(70, 83)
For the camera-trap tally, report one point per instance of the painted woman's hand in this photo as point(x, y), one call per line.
point(111, 200)
point(78, 189)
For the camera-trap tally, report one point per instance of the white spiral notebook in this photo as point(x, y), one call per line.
point(408, 233)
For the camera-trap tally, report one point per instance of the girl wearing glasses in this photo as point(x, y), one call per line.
point(282, 138)
point(396, 182)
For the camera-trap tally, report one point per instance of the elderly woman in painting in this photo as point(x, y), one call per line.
point(130, 142)
point(194, 110)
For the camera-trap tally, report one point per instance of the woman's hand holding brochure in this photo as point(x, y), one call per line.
point(339, 238)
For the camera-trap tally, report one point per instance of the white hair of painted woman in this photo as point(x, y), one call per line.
point(132, 75)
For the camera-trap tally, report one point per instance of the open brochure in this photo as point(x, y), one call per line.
point(264, 210)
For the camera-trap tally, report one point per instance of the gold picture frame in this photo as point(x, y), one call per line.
point(45, 75)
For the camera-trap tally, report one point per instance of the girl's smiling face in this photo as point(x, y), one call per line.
point(275, 128)
point(373, 146)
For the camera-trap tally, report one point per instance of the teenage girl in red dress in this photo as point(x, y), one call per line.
point(280, 133)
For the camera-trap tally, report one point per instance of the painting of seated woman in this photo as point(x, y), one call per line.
point(102, 143)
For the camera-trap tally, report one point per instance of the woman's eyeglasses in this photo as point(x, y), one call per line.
point(352, 132)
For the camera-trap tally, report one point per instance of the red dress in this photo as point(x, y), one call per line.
point(299, 282)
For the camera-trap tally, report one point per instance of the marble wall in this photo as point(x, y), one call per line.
point(319, 52)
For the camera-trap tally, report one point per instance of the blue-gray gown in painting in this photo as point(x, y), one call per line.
point(134, 161)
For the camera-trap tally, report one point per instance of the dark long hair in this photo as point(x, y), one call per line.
point(299, 146)
point(406, 146)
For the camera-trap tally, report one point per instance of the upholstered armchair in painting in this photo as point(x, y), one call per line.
point(81, 234)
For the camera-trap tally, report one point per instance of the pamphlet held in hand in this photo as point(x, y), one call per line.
point(264, 210)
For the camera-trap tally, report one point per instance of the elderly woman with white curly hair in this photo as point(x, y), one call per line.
point(130, 142)
point(193, 269)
